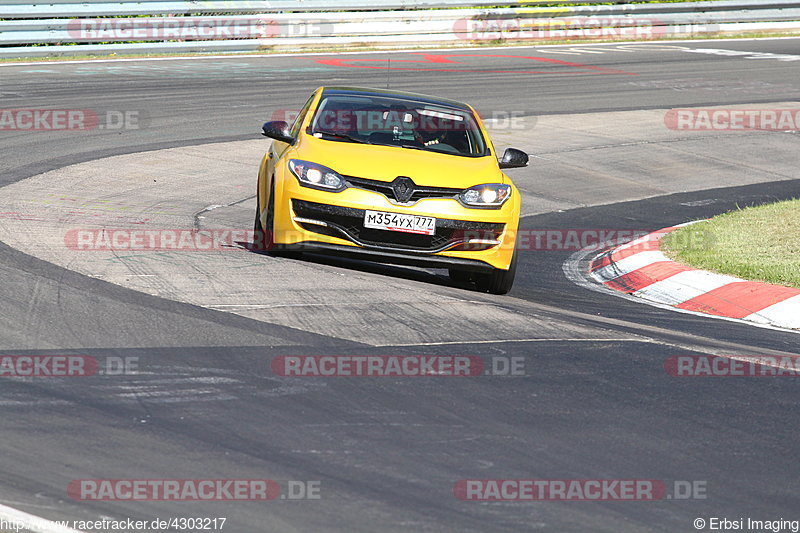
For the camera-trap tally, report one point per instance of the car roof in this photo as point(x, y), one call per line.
point(421, 98)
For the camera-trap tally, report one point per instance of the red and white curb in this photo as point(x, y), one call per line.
point(639, 268)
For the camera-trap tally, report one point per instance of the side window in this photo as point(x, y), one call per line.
point(301, 117)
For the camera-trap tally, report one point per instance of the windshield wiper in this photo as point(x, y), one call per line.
point(414, 147)
point(344, 136)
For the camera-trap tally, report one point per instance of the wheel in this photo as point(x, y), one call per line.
point(263, 238)
point(258, 233)
point(498, 281)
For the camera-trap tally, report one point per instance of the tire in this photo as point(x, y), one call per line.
point(263, 238)
point(258, 233)
point(498, 281)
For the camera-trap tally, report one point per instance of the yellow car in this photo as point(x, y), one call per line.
point(391, 177)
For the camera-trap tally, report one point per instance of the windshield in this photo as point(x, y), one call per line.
point(395, 121)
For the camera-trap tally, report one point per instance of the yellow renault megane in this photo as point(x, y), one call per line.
point(391, 177)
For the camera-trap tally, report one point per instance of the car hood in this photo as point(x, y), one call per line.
point(385, 163)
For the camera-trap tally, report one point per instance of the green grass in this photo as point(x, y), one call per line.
point(755, 243)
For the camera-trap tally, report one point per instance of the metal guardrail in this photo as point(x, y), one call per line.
point(25, 9)
point(73, 8)
point(301, 24)
point(102, 7)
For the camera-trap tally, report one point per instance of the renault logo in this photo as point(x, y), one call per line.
point(403, 189)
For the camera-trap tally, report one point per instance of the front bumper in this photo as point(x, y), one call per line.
point(467, 239)
point(347, 223)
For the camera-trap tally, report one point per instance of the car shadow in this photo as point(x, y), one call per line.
point(371, 267)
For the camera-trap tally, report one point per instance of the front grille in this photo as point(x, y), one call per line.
point(348, 223)
point(385, 188)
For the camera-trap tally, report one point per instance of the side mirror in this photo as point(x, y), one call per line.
point(514, 158)
point(278, 130)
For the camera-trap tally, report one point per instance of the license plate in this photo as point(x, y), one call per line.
point(400, 222)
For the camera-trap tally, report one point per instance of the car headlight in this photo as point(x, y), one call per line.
point(487, 195)
point(317, 176)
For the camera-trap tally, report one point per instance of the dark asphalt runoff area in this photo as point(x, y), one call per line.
point(388, 452)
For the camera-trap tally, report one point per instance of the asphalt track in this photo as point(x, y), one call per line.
point(595, 402)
